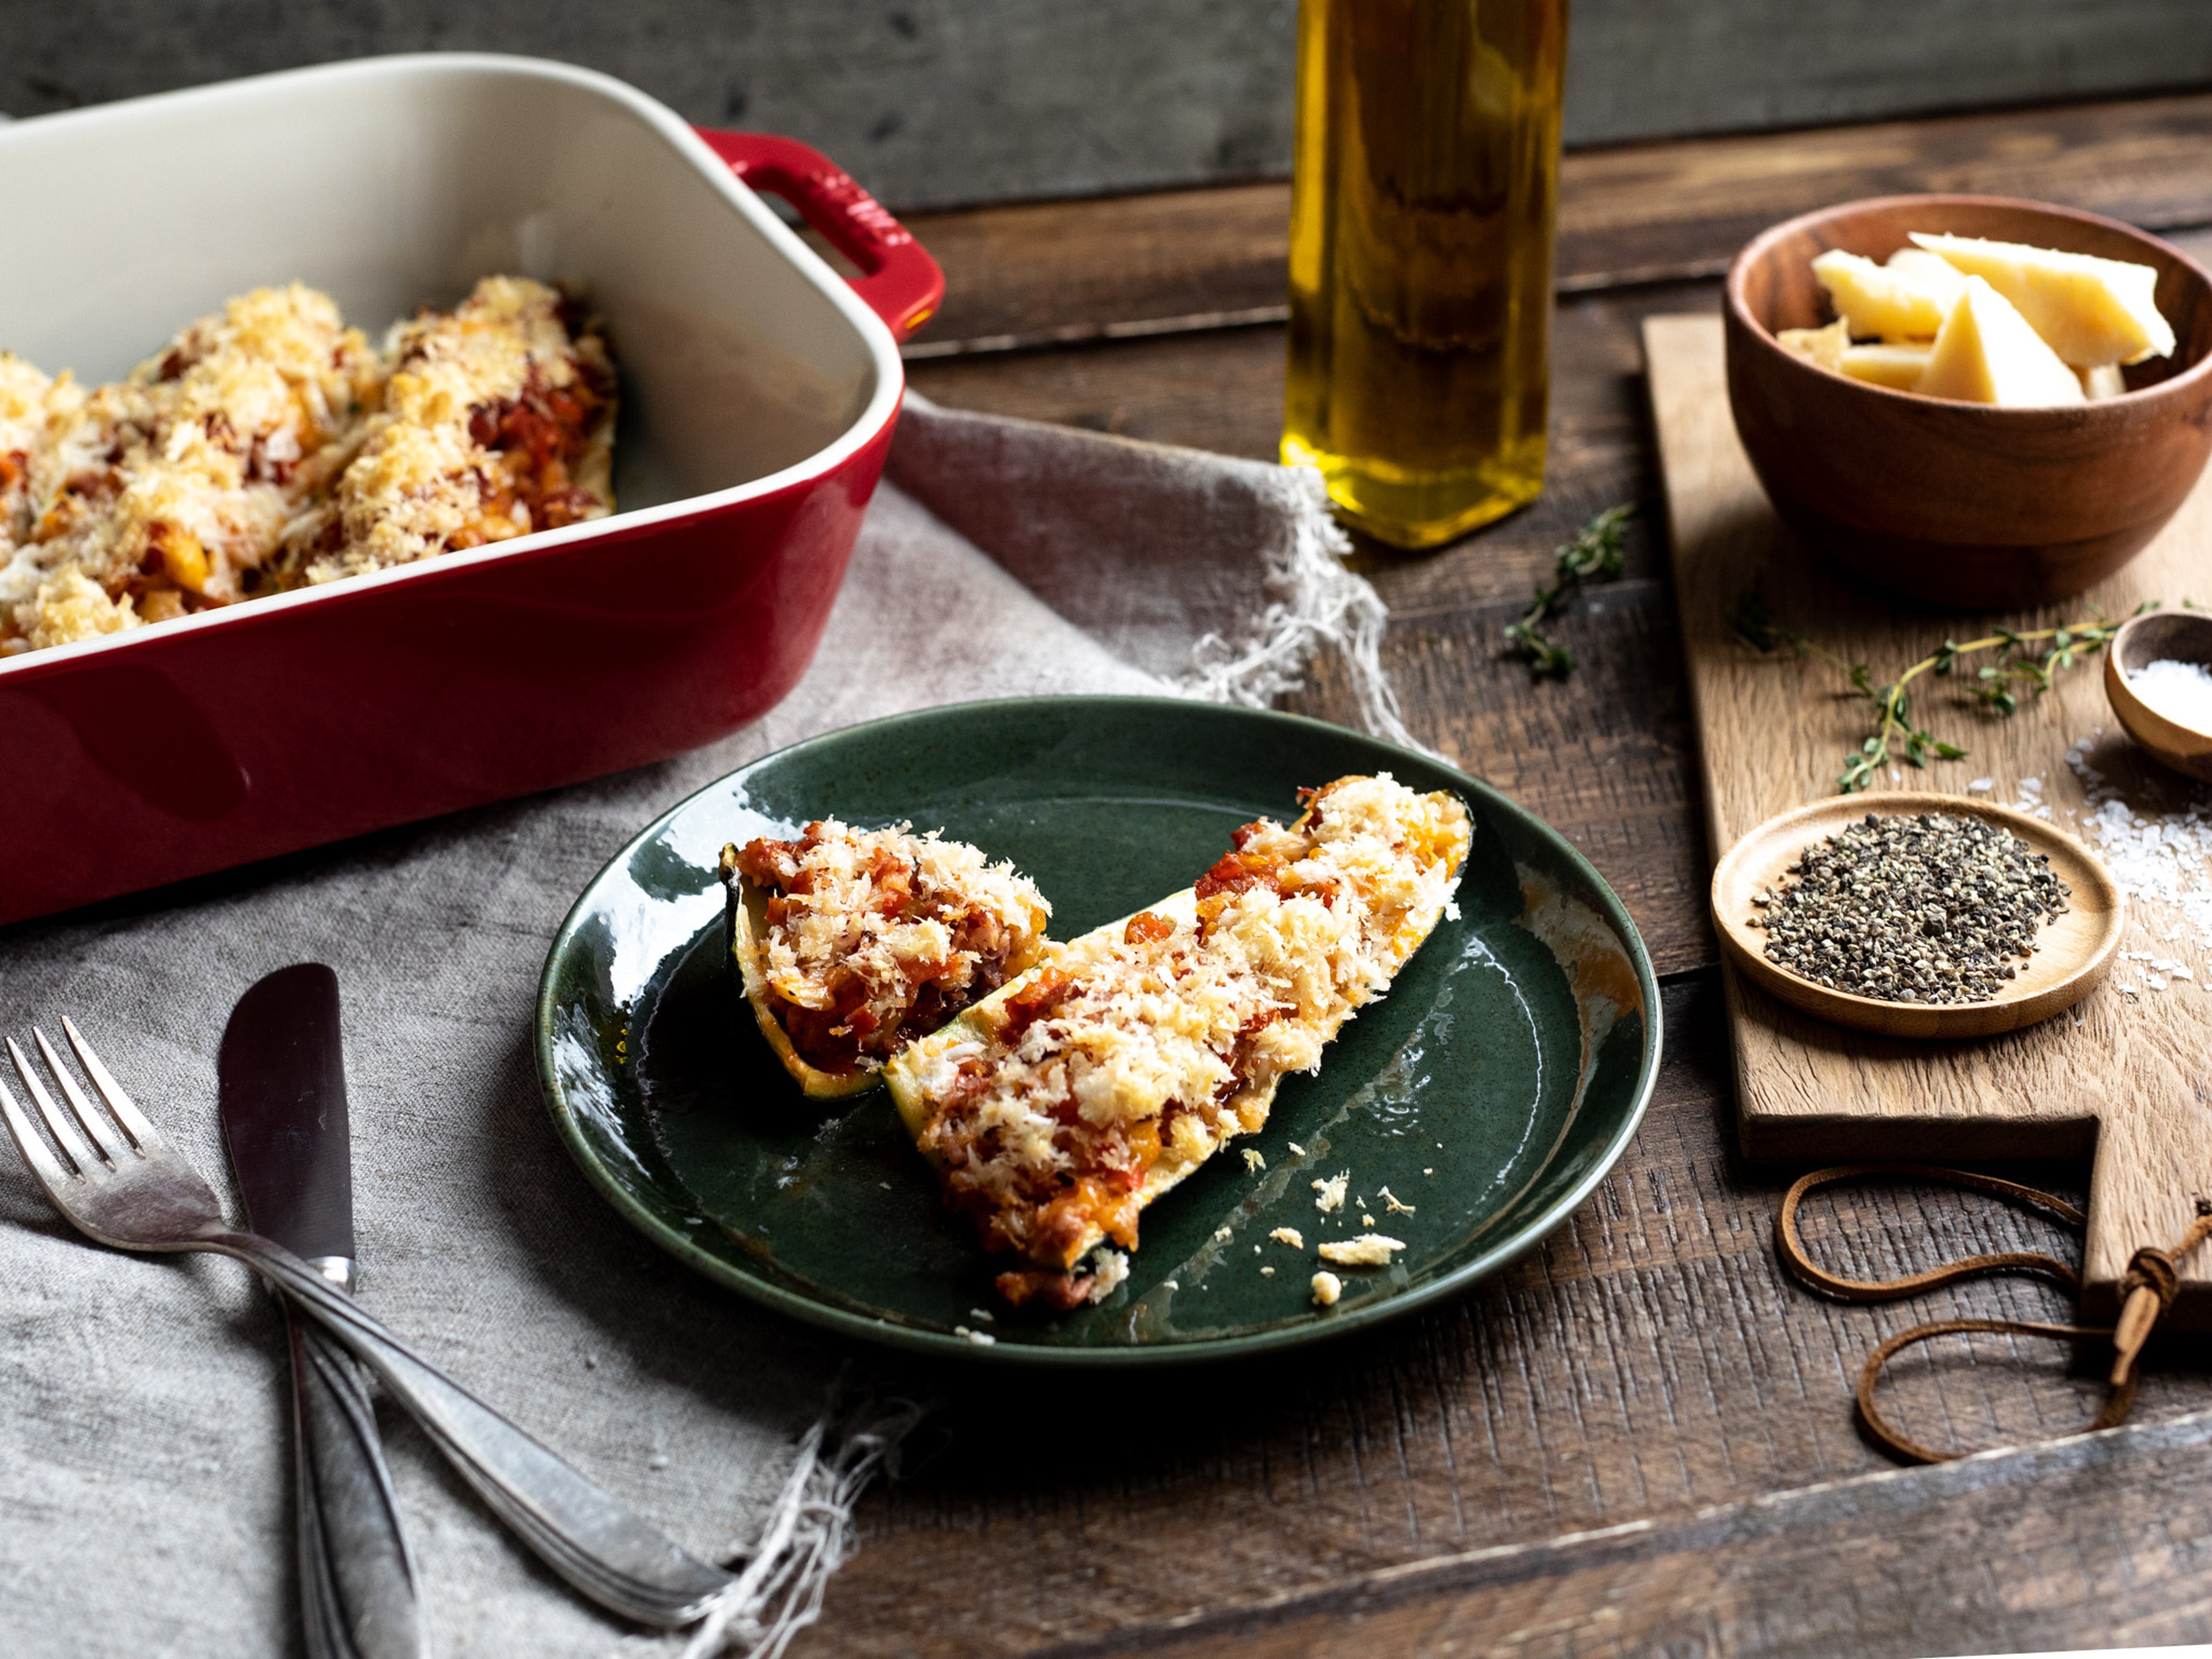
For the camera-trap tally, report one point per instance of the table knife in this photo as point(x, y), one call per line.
point(282, 1081)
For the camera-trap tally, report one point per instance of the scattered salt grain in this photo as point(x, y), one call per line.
point(2182, 691)
point(1981, 786)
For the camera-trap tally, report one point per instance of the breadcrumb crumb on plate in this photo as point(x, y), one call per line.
point(1368, 1250)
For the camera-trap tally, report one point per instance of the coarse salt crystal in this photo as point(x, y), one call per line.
point(2181, 691)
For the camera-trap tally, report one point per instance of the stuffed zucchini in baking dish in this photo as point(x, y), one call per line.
point(849, 942)
point(1057, 1107)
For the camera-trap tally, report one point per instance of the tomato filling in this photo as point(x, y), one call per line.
point(865, 1006)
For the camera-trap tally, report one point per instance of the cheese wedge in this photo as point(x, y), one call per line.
point(1875, 300)
point(2105, 380)
point(1897, 367)
point(1825, 346)
point(1987, 354)
point(1932, 271)
point(1056, 1108)
point(2089, 310)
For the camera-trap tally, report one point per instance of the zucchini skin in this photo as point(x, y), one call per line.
point(744, 928)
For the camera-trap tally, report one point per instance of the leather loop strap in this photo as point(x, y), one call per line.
point(2148, 1289)
point(2117, 1404)
point(1792, 1247)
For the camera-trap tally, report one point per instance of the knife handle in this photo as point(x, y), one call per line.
point(356, 1575)
point(577, 1529)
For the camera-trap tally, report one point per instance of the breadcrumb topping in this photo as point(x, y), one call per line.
point(1136, 1052)
point(876, 935)
point(256, 453)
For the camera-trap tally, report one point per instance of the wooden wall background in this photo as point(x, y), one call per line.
point(936, 103)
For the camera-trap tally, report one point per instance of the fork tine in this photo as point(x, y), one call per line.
point(126, 1111)
point(51, 1174)
point(97, 1128)
point(52, 1116)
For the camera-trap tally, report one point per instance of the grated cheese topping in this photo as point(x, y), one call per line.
point(875, 930)
point(1326, 1287)
point(1290, 1235)
point(1151, 1044)
point(238, 459)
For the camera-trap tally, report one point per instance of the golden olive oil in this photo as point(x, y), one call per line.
point(1425, 183)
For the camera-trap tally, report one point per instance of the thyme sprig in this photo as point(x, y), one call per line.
point(1594, 556)
point(2027, 660)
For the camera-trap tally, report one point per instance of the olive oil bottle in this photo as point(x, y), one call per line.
point(1426, 179)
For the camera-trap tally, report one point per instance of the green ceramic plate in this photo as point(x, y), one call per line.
point(1490, 1092)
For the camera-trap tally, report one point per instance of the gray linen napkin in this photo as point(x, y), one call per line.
point(142, 1425)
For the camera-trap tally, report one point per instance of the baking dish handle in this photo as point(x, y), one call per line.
point(898, 281)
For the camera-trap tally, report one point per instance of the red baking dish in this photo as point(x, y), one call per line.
point(759, 393)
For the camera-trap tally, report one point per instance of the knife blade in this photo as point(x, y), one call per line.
point(281, 1082)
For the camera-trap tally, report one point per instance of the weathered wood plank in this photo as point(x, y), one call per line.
point(1067, 270)
point(942, 102)
point(2099, 1542)
point(1649, 1361)
point(1642, 68)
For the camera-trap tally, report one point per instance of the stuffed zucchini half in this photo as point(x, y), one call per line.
point(849, 942)
point(1057, 1107)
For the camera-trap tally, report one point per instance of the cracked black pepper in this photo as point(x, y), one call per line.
point(1926, 908)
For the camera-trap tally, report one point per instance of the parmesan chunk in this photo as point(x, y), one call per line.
point(1326, 1287)
point(1897, 367)
point(1331, 1192)
point(2088, 310)
point(1825, 346)
point(1290, 1235)
point(1368, 1250)
point(1876, 300)
point(1987, 354)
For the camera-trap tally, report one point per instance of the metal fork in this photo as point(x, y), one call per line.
point(119, 1183)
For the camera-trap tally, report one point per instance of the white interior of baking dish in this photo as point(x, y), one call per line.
point(391, 183)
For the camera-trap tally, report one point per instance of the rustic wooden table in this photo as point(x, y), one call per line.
point(1640, 1439)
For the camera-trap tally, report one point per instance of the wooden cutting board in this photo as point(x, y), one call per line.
point(2129, 1072)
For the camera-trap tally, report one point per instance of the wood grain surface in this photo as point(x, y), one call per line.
point(2121, 1070)
point(943, 101)
point(1057, 272)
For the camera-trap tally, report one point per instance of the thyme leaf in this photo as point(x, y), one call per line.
point(2024, 664)
point(1593, 557)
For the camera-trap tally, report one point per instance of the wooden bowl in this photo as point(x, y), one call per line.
point(2183, 636)
point(1963, 504)
point(2074, 951)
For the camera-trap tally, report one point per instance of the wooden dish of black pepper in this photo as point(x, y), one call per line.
point(1931, 900)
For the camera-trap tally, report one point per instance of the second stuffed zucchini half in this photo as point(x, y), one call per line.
point(1055, 1109)
point(850, 943)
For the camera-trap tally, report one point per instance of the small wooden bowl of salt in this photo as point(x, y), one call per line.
point(2158, 676)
